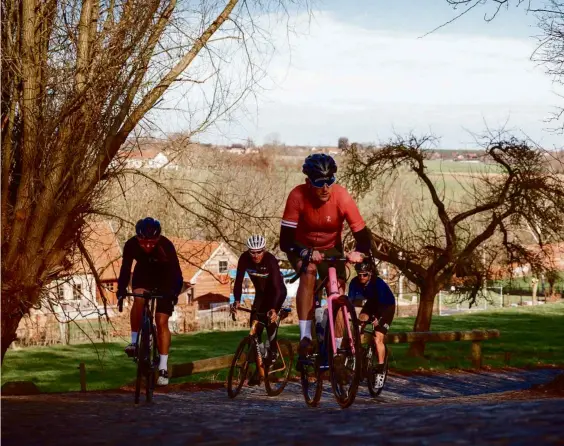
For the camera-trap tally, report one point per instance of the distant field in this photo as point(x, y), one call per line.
point(530, 336)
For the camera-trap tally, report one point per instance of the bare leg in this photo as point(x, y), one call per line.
point(380, 347)
point(340, 322)
point(304, 296)
point(137, 311)
point(163, 333)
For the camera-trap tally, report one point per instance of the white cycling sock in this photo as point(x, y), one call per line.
point(305, 329)
point(338, 342)
point(134, 337)
point(163, 361)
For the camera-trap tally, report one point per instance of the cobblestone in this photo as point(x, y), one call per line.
point(450, 408)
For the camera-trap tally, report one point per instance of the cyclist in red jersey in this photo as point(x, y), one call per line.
point(311, 228)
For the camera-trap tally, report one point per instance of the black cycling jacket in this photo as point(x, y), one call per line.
point(157, 269)
point(270, 290)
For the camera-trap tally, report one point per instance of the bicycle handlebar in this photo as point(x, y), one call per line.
point(247, 310)
point(147, 295)
point(307, 261)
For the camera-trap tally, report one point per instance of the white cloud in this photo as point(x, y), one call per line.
point(346, 80)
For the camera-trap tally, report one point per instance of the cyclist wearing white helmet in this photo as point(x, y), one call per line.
point(270, 290)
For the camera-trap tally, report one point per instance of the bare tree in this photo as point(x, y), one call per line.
point(78, 77)
point(444, 238)
point(343, 143)
point(550, 41)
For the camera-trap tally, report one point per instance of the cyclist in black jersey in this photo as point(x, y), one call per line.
point(156, 269)
point(270, 290)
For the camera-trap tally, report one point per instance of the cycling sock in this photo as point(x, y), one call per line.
point(338, 342)
point(163, 361)
point(134, 337)
point(305, 329)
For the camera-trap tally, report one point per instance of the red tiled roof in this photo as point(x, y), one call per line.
point(192, 255)
point(144, 154)
point(103, 249)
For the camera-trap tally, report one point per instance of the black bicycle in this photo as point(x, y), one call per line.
point(273, 366)
point(375, 378)
point(146, 352)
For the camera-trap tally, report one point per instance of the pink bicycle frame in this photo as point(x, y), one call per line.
point(334, 295)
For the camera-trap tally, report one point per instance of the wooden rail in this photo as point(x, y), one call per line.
point(474, 336)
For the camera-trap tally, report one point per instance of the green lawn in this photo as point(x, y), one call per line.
point(533, 336)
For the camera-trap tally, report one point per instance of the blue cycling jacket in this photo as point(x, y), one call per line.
point(376, 288)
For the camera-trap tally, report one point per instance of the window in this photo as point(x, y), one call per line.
point(77, 291)
point(61, 291)
point(222, 266)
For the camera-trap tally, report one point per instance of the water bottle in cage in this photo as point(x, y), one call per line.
point(319, 323)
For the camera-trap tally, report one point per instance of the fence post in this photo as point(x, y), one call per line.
point(476, 353)
point(82, 368)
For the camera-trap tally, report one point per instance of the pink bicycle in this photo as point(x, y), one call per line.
point(343, 361)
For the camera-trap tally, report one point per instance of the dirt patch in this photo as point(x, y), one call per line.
point(553, 388)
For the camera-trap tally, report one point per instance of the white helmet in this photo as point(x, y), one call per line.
point(256, 242)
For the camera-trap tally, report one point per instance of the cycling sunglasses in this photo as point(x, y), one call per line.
point(321, 182)
point(363, 274)
point(256, 253)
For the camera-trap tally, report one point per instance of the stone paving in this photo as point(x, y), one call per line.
point(448, 408)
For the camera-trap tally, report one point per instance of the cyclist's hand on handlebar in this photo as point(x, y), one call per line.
point(355, 257)
point(272, 316)
point(234, 307)
point(317, 257)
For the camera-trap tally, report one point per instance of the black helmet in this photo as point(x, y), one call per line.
point(148, 228)
point(364, 267)
point(319, 165)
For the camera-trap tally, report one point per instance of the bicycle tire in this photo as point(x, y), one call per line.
point(151, 365)
point(312, 383)
point(371, 376)
point(142, 360)
point(276, 387)
point(138, 381)
point(345, 399)
point(246, 343)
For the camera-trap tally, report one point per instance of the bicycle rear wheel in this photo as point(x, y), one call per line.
point(239, 367)
point(311, 377)
point(375, 380)
point(276, 373)
point(344, 364)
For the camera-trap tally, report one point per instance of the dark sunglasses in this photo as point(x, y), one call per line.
point(363, 274)
point(256, 253)
point(322, 182)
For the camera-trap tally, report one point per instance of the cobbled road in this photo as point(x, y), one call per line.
point(451, 408)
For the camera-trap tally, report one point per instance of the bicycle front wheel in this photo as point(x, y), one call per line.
point(152, 365)
point(276, 372)
point(346, 362)
point(143, 359)
point(375, 380)
point(311, 377)
point(239, 367)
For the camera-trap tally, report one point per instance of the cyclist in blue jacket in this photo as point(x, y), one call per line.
point(380, 305)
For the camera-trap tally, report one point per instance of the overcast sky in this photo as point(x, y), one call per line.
point(360, 69)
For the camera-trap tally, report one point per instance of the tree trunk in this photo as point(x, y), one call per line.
point(423, 319)
point(534, 284)
point(11, 317)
